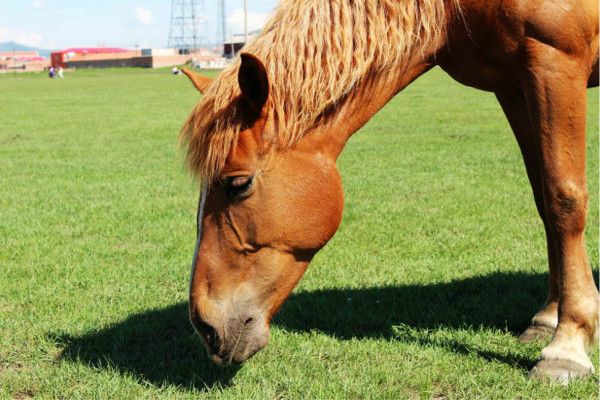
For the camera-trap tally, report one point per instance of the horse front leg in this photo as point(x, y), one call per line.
point(555, 90)
point(513, 103)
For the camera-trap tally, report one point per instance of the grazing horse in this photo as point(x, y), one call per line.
point(265, 137)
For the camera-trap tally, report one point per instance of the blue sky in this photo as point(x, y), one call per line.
point(55, 24)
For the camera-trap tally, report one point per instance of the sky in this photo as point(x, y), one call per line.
point(57, 24)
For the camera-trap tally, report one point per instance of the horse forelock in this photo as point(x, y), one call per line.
point(315, 52)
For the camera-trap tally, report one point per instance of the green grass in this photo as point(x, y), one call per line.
point(440, 260)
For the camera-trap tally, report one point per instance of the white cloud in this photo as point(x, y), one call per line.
point(38, 3)
point(28, 38)
point(143, 16)
point(256, 20)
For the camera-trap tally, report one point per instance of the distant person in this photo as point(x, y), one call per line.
point(51, 72)
point(60, 72)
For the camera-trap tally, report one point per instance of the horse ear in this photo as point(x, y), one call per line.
point(201, 82)
point(253, 81)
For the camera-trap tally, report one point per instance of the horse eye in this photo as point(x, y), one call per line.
point(238, 186)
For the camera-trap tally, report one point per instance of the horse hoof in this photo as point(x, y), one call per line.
point(559, 371)
point(536, 332)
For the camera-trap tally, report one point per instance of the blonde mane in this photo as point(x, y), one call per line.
point(315, 52)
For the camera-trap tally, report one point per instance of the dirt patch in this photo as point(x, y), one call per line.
point(26, 394)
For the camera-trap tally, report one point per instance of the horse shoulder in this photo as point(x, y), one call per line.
point(570, 26)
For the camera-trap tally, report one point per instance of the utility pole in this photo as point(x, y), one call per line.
point(14, 62)
point(221, 28)
point(245, 22)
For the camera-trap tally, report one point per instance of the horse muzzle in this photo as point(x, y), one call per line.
point(235, 341)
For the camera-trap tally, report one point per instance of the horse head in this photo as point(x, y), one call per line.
point(260, 222)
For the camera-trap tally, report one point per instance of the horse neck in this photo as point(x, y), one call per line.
point(366, 100)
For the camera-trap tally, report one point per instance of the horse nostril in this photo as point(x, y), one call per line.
point(210, 335)
point(249, 320)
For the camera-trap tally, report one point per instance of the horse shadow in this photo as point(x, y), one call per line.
point(157, 346)
point(160, 347)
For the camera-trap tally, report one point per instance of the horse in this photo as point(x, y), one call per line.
point(264, 139)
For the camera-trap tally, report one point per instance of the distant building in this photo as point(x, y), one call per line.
point(102, 57)
point(160, 57)
point(83, 57)
point(159, 52)
point(22, 61)
point(236, 42)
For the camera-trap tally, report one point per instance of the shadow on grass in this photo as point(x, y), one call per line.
point(159, 346)
point(504, 301)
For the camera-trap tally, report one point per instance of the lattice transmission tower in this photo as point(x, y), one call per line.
point(187, 31)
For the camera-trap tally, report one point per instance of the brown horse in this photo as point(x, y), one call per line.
point(265, 137)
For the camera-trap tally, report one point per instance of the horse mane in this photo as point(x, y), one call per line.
point(315, 52)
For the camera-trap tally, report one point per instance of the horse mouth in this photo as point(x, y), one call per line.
point(249, 341)
point(227, 358)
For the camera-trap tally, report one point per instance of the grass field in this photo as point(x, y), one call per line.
point(439, 263)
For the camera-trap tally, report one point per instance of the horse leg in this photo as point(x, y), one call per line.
point(554, 84)
point(513, 103)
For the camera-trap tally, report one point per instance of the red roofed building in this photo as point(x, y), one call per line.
point(22, 61)
point(61, 58)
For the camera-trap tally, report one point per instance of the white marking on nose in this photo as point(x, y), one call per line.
point(201, 201)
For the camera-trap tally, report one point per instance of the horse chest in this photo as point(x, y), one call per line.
point(474, 69)
point(478, 74)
